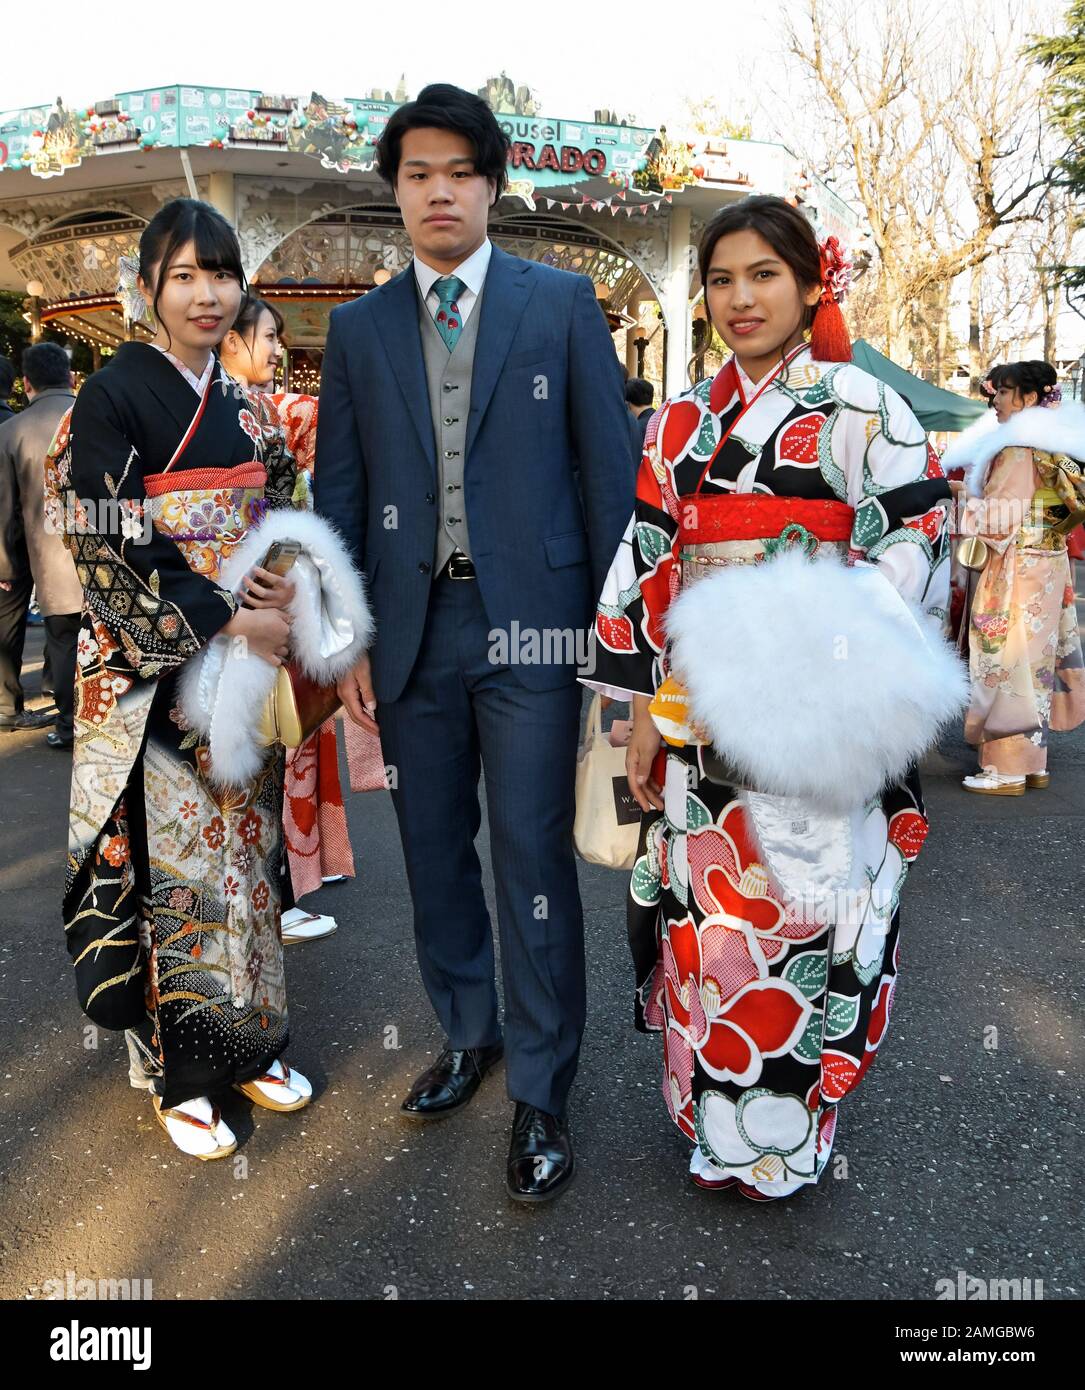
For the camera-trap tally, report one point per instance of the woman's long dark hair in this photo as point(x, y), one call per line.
point(174, 225)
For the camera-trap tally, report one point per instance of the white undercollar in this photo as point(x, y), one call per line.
point(472, 271)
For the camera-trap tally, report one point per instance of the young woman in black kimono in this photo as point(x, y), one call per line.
point(171, 904)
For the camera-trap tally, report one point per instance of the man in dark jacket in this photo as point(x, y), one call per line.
point(639, 397)
point(15, 585)
point(24, 443)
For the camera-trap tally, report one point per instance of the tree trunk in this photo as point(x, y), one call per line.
point(976, 364)
point(1049, 298)
point(941, 336)
point(893, 322)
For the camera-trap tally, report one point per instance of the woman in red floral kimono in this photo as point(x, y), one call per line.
point(772, 614)
point(171, 903)
point(314, 817)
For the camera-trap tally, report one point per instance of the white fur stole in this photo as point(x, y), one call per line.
point(814, 678)
point(223, 688)
point(1055, 430)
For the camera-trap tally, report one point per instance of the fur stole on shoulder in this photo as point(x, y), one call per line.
point(1058, 430)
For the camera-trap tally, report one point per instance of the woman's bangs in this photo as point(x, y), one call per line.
point(216, 248)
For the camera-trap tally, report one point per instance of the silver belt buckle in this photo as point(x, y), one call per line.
point(460, 566)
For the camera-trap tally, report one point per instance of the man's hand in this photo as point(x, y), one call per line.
point(355, 690)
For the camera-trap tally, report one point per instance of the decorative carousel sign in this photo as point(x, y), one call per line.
point(342, 135)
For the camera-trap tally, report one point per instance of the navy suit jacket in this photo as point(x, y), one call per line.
point(549, 470)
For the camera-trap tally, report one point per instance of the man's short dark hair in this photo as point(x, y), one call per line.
point(444, 107)
point(639, 392)
point(7, 378)
point(46, 365)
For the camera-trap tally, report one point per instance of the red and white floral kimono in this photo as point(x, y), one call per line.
point(770, 1013)
point(314, 817)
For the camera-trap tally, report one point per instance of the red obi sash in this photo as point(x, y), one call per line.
point(752, 516)
point(244, 475)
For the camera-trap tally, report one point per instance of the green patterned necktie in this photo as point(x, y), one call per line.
point(448, 319)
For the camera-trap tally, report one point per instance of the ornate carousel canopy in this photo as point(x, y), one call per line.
point(620, 202)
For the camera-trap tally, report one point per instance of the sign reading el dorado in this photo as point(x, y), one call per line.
point(342, 135)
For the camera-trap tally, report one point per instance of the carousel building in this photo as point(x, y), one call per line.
point(623, 204)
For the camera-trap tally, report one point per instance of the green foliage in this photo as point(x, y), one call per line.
point(1064, 57)
point(15, 335)
point(14, 329)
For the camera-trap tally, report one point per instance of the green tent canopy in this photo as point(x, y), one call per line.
point(934, 408)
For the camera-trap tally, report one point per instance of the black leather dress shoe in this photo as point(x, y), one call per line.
point(55, 740)
point(451, 1082)
point(541, 1162)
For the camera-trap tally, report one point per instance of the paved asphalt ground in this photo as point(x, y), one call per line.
point(960, 1155)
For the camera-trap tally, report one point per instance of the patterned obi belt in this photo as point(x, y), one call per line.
point(744, 528)
point(1049, 521)
point(207, 512)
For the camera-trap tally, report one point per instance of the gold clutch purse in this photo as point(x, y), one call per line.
point(972, 552)
point(296, 708)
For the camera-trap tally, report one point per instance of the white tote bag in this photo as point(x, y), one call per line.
point(607, 815)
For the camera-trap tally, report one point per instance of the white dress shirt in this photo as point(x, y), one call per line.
point(472, 272)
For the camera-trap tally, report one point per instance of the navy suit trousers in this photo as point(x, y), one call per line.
point(461, 713)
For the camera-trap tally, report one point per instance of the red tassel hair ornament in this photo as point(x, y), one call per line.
point(829, 338)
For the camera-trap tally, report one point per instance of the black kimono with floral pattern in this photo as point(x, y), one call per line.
point(171, 900)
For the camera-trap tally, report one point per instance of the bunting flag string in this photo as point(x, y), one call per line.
point(613, 205)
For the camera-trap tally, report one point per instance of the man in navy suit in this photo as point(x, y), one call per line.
point(474, 447)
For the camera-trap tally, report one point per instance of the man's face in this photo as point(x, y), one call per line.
point(443, 200)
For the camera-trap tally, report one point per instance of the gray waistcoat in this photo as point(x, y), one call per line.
point(449, 378)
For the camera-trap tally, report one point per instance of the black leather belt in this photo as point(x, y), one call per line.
point(459, 566)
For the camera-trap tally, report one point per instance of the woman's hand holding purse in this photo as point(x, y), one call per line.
point(265, 630)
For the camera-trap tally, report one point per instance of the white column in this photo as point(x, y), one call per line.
point(675, 301)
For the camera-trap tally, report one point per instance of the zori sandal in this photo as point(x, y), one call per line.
point(196, 1128)
point(280, 1088)
point(769, 1191)
point(299, 926)
point(704, 1173)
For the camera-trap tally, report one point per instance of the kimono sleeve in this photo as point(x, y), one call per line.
point(900, 495)
point(1005, 506)
point(135, 579)
point(298, 415)
point(628, 639)
point(281, 465)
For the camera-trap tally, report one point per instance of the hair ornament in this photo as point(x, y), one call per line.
point(836, 270)
point(134, 305)
point(829, 338)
